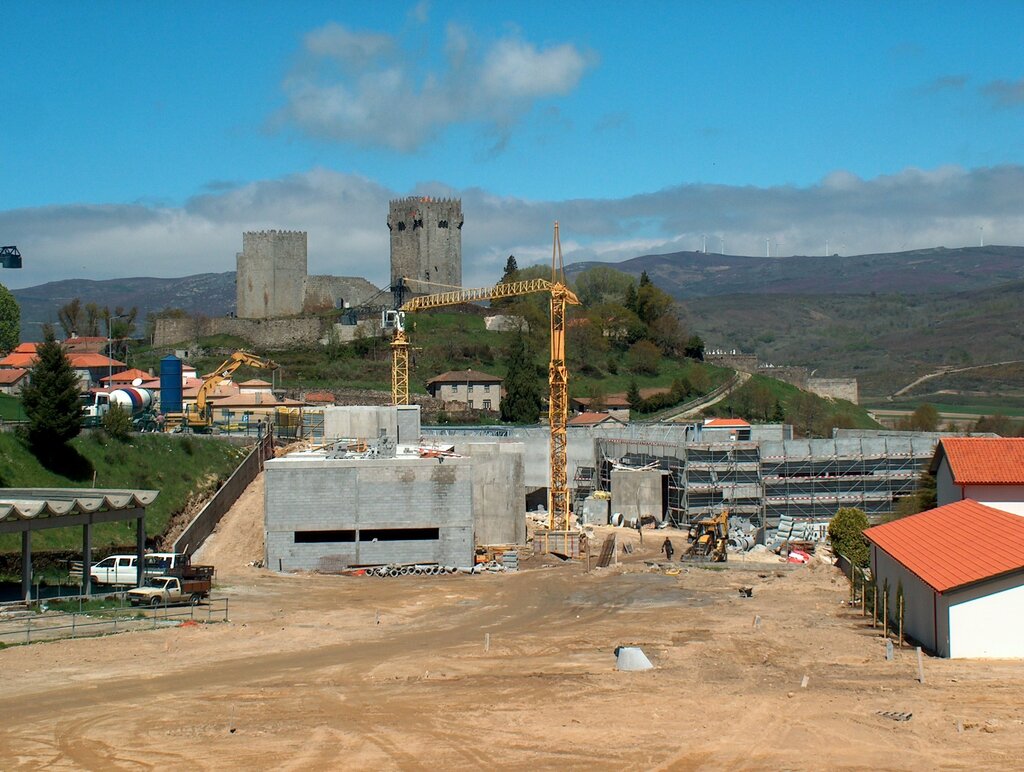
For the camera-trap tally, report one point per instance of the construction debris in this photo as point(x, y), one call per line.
point(631, 658)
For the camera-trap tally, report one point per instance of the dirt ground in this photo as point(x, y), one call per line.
point(326, 672)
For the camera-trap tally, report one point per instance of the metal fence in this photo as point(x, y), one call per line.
point(30, 626)
point(202, 525)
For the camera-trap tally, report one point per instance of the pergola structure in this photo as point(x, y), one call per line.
point(25, 510)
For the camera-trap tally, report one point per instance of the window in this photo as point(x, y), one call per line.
point(455, 388)
point(323, 537)
point(487, 388)
point(401, 226)
point(469, 387)
point(487, 404)
point(442, 223)
point(399, 534)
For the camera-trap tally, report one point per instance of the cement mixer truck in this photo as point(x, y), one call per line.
point(136, 401)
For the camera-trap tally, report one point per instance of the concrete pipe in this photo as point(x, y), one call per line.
point(394, 572)
point(617, 519)
point(435, 570)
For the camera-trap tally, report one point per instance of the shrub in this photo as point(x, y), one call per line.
point(846, 535)
point(117, 423)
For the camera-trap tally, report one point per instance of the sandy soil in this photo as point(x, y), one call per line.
point(323, 672)
point(238, 539)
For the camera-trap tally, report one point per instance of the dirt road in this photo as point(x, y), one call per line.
point(319, 672)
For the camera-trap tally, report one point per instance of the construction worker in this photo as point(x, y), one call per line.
point(668, 549)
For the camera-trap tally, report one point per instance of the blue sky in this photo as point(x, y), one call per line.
point(150, 135)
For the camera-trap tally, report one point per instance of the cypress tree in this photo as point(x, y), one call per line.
point(51, 398)
point(521, 400)
point(10, 320)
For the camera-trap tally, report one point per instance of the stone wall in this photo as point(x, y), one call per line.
point(793, 375)
point(835, 388)
point(746, 363)
point(271, 274)
point(426, 240)
point(268, 334)
point(323, 293)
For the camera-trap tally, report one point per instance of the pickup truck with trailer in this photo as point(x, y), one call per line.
point(171, 590)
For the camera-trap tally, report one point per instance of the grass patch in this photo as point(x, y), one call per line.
point(150, 461)
point(10, 408)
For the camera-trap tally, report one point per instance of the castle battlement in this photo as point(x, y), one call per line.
point(268, 233)
point(426, 239)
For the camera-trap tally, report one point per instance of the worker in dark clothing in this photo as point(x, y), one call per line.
point(668, 549)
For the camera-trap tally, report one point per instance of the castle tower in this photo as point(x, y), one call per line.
point(270, 275)
point(426, 241)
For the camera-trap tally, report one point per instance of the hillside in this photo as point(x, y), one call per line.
point(886, 341)
point(212, 294)
point(696, 274)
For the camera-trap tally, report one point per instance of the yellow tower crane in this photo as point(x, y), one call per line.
point(558, 373)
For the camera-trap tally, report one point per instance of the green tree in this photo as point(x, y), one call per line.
point(511, 270)
point(117, 422)
point(51, 399)
point(924, 419)
point(846, 535)
point(70, 317)
point(633, 396)
point(521, 401)
point(694, 348)
point(601, 284)
point(644, 358)
point(652, 303)
point(10, 320)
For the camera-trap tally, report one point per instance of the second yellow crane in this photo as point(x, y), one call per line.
point(558, 372)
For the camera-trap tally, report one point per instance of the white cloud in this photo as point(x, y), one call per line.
point(345, 216)
point(362, 87)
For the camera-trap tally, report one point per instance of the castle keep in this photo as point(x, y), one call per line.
point(271, 279)
point(426, 240)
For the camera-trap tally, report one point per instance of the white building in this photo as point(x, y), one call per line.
point(961, 568)
point(989, 470)
point(472, 388)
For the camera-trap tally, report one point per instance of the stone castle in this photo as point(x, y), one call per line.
point(426, 241)
point(277, 300)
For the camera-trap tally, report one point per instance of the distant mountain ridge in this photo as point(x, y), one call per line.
point(696, 274)
point(210, 294)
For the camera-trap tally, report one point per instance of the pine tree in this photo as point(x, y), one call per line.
point(511, 270)
point(633, 396)
point(521, 400)
point(51, 398)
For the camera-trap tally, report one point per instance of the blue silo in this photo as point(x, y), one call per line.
point(170, 384)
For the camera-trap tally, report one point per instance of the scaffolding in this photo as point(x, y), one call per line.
point(765, 481)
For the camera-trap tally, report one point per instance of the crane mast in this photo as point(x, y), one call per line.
point(558, 373)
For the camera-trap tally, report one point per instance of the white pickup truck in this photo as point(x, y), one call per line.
point(122, 570)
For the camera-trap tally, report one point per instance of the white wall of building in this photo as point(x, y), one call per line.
point(1009, 498)
point(919, 601)
point(946, 491)
point(986, 620)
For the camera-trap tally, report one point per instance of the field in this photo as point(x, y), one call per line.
point(318, 671)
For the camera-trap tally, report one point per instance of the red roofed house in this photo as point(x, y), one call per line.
point(961, 567)
point(125, 377)
point(12, 379)
point(725, 430)
point(595, 419)
point(89, 367)
point(985, 469)
point(477, 390)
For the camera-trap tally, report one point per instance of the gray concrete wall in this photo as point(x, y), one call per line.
point(637, 493)
point(365, 422)
point(271, 274)
point(308, 493)
point(499, 507)
point(426, 240)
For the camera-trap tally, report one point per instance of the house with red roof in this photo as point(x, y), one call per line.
point(986, 469)
point(595, 419)
point(12, 379)
point(725, 430)
point(471, 388)
point(961, 570)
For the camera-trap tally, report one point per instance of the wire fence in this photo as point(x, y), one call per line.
point(44, 624)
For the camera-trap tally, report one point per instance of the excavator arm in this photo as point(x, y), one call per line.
point(212, 380)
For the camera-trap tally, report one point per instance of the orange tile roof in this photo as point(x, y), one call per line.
point(18, 359)
point(25, 348)
point(11, 376)
point(592, 419)
point(721, 423)
point(127, 376)
point(320, 396)
point(252, 382)
point(943, 548)
point(86, 359)
point(982, 460)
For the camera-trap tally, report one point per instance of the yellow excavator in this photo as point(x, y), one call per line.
point(708, 539)
point(199, 417)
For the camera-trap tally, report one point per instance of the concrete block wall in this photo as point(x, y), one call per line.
point(636, 493)
point(312, 493)
point(402, 423)
point(499, 506)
